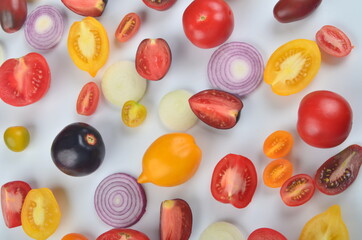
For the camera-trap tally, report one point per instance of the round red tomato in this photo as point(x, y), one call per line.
point(208, 23)
point(123, 233)
point(266, 234)
point(297, 190)
point(25, 80)
point(333, 41)
point(324, 119)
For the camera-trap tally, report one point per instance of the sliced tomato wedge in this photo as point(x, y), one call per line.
point(24, 80)
point(266, 234)
point(88, 99)
point(234, 180)
point(128, 27)
point(123, 233)
point(297, 190)
point(159, 5)
point(333, 41)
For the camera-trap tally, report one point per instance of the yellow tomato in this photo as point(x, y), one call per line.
point(172, 159)
point(17, 138)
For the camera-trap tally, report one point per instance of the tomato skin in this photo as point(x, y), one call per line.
point(12, 198)
point(333, 41)
point(337, 173)
point(123, 233)
point(297, 190)
point(277, 172)
point(133, 113)
point(278, 144)
point(13, 14)
point(286, 11)
point(266, 234)
point(128, 27)
point(89, 8)
point(17, 138)
point(229, 173)
point(17, 86)
point(208, 23)
point(159, 5)
point(324, 119)
point(88, 98)
point(74, 236)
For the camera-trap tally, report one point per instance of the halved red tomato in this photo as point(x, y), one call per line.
point(297, 190)
point(333, 41)
point(12, 198)
point(88, 99)
point(153, 58)
point(234, 180)
point(266, 234)
point(159, 5)
point(128, 27)
point(123, 233)
point(24, 80)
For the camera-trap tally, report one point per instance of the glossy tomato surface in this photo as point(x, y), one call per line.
point(74, 236)
point(13, 14)
point(333, 41)
point(122, 234)
point(266, 234)
point(159, 5)
point(324, 119)
point(17, 138)
point(88, 98)
point(234, 180)
point(128, 27)
point(297, 190)
point(286, 11)
point(209, 23)
point(24, 80)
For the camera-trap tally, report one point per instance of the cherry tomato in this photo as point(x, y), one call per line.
point(297, 190)
point(292, 66)
point(12, 198)
point(40, 215)
point(88, 8)
point(153, 58)
point(13, 14)
point(333, 41)
point(88, 45)
point(74, 236)
point(324, 119)
point(278, 144)
point(25, 80)
point(133, 113)
point(159, 5)
point(286, 11)
point(337, 173)
point(266, 234)
point(277, 172)
point(123, 233)
point(234, 180)
point(88, 99)
point(17, 138)
point(128, 27)
point(208, 23)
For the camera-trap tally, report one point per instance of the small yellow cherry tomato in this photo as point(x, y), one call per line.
point(17, 138)
point(133, 113)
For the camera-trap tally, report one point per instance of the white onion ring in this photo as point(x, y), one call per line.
point(51, 35)
point(120, 201)
point(220, 72)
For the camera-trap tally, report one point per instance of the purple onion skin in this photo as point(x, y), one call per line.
point(13, 14)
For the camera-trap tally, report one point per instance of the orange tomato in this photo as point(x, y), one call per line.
point(277, 172)
point(74, 236)
point(278, 144)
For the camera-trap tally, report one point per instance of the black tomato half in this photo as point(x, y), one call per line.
point(78, 149)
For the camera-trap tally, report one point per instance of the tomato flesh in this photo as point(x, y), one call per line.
point(277, 172)
point(266, 234)
point(88, 99)
point(128, 27)
point(122, 233)
point(25, 80)
point(133, 113)
point(234, 180)
point(333, 41)
point(13, 14)
point(159, 5)
point(278, 144)
point(297, 190)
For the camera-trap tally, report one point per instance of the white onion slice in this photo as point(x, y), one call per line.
point(221, 231)
point(236, 67)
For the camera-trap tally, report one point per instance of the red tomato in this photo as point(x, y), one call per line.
point(88, 99)
point(12, 198)
point(297, 190)
point(159, 5)
point(123, 233)
point(234, 180)
point(153, 58)
point(208, 23)
point(216, 108)
point(266, 234)
point(13, 14)
point(25, 80)
point(324, 119)
point(286, 11)
point(333, 41)
point(128, 27)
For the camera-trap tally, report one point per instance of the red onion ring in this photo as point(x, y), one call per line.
point(236, 67)
point(120, 201)
point(51, 35)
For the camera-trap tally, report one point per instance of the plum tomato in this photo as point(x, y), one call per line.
point(286, 11)
point(324, 119)
point(133, 113)
point(266, 234)
point(74, 236)
point(297, 190)
point(153, 58)
point(88, 98)
point(128, 27)
point(292, 66)
point(122, 233)
point(278, 144)
point(13, 14)
point(277, 172)
point(337, 173)
point(89, 8)
point(24, 80)
point(12, 198)
point(209, 23)
point(216, 108)
point(17, 138)
point(234, 180)
point(159, 5)
point(333, 41)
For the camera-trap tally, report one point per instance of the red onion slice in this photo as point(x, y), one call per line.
point(120, 201)
point(236, 67)
point(44, 27)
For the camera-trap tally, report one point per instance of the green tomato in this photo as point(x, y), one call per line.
point(17, 138)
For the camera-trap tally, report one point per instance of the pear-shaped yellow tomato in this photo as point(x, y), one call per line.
point(328, 225)
point(88, 45)
point(170, 160)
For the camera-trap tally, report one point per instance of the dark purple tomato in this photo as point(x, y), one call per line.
point(286, 11)
point(78, 149)
point(12, 14)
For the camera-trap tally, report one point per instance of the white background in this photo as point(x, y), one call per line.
point(264, 112)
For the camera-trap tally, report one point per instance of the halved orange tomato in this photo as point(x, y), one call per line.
point(277, 172)
point(88, 45)
point(292, 66)
point(278, 144)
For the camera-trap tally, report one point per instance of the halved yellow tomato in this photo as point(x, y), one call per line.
point(292, 66)
point(88, 45)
